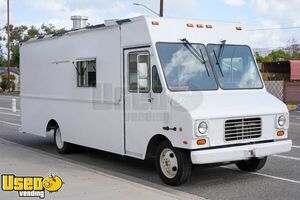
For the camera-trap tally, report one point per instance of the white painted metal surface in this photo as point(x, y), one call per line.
point(240, 152)
point(110, 117)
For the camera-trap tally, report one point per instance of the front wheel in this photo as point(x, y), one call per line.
point(61, 146)
point(252, 165)
point(173, 165)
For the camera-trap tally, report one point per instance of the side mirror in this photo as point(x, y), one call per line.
point(142, 70)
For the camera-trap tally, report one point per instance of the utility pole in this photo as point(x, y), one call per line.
point(8, 47)
point(161, 11)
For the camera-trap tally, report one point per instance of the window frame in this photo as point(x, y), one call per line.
point(257, 68)
point(209, 60)
point(77, 71)
point(141, 52)
point(155, 67)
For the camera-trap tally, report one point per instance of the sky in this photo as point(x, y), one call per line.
point(253, 14)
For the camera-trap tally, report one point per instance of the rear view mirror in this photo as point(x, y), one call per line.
point(142, 70)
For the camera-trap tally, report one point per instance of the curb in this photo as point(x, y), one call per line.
point(179, 195)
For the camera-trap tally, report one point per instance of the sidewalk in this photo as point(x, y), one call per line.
point(80, 182)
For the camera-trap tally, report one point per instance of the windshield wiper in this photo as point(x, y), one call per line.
point(220, 54)
point(196, 53)
point(218, 63)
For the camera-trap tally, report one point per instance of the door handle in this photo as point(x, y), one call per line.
point(150, 99)
point(167, 128)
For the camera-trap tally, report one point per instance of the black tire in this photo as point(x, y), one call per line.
point(252, 165)
point(183, 173)
point(64, 147)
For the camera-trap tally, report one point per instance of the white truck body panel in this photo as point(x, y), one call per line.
point(49, 90)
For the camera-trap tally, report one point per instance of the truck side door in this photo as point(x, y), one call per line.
point(137, 91)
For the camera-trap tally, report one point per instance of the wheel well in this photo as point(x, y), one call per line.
point(153, 144)
point(52, 124)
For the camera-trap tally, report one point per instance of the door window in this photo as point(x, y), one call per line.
point(139, 76)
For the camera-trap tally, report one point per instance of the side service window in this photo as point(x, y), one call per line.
point(86, 73)
point(138, 72)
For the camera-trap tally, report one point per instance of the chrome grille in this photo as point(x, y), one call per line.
point(242, 129)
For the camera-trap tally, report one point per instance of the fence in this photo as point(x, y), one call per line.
point(292, 92)
point(276, 88)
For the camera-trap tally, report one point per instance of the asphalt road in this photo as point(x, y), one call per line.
point(279, 179)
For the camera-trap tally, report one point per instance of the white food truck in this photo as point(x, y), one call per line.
point(184, 92)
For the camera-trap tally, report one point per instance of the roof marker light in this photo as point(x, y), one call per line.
point(209, 26)
point(200, 26)
point(190, 25)
point(239, 28)
point(155, 23)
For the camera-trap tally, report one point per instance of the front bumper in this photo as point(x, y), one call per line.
point(228, 154)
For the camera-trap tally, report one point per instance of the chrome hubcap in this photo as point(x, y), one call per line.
point(168, 163)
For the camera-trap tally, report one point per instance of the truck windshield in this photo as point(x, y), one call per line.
point(186, 68)
point(235, 67)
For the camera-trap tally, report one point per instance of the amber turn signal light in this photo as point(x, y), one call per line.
point(189, 25)
point(155, 23)
point(280, 133)
point(201, 142)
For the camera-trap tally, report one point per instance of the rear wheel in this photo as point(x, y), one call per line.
point(173, 165)
point(61, 146)
point(252, 165)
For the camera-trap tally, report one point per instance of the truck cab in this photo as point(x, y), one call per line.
point(207, 83)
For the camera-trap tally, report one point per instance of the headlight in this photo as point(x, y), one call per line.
point(281, 121)
point(202, 129)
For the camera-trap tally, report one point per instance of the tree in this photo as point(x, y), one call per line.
point(49, 30)
point(273, 56)
point(293, 48)
point(277, 55)
point(4, 82)
point(2, 59)
point(259, 58)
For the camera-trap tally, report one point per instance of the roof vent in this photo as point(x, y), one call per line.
point(111, 22)
point(79, 21)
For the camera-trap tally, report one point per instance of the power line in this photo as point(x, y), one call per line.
point(270, 29)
